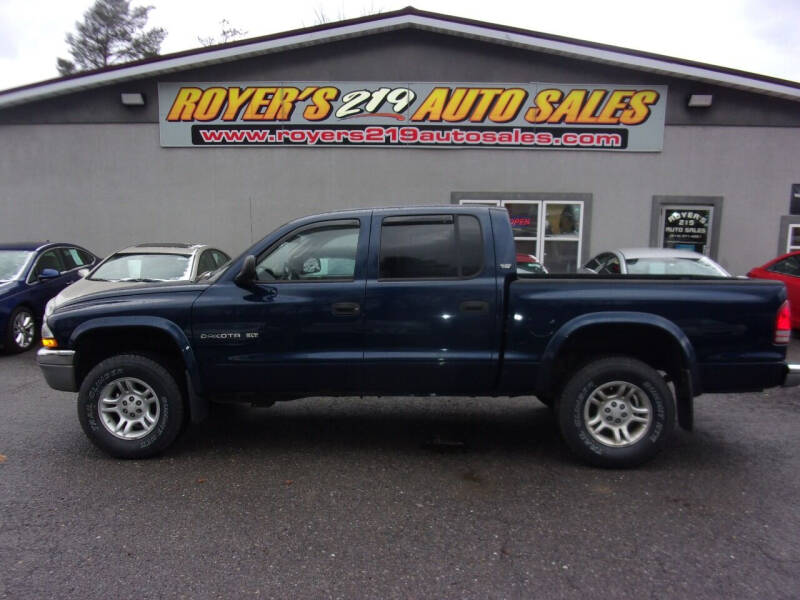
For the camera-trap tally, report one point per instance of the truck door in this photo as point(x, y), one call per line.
point(431, 304)
point(298, 328)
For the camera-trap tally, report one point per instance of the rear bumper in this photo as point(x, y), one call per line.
point(58, 368)
point(792, 376)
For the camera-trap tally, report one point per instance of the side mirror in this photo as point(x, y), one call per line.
point(48, 274)
point(247, 274)
point(83, 272)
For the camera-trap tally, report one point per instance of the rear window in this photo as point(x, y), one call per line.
point(787, 266)
point(431, 247)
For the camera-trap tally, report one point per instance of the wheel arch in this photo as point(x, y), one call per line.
point(650, 338)
point(98, 339)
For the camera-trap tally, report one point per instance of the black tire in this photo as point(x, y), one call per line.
point(587, 399)
point(16, 340)
point(131, 378)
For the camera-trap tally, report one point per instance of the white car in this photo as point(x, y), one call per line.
point(654, 261)
point(145, 263)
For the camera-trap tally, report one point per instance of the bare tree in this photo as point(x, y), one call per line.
point(111, 32)
point(321, 17)
point(228, 33)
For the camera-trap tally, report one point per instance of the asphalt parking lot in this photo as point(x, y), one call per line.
point(402, 498)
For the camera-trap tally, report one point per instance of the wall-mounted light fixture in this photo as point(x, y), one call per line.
point(132, 99)
point(700, 100)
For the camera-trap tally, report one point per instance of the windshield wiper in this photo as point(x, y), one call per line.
point(139, 280)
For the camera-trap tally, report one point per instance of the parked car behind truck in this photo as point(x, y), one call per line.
point(146, 263)
point(31, 274)
point(785, 268)
point(421, 301)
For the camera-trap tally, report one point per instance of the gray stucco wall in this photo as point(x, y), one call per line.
point(110, 185)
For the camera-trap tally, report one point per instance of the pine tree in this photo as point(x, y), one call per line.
point(111, 32)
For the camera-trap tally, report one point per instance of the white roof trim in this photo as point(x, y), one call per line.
point(486, 33)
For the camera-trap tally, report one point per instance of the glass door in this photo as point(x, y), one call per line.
point(561, 248)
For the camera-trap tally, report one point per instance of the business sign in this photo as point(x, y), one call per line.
point(687, 228)
point(429, 115)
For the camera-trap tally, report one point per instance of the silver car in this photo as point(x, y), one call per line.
point(654, 261)
point(146, 263)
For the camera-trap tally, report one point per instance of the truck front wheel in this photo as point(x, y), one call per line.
point(130, 406)
point(616, 412)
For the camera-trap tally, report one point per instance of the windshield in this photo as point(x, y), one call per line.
point(674, 265)
point(12, 262)
point(144, 267)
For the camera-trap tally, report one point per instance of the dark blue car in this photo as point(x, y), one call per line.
point(31, 274)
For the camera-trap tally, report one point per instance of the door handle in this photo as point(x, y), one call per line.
point(475, 306)
point(345, 309)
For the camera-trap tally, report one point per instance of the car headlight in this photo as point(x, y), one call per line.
point(49, 307)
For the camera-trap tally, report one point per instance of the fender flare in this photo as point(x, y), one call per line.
point(575, 325)
point(198, 404)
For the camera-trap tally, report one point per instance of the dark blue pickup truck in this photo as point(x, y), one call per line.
point(415, 301)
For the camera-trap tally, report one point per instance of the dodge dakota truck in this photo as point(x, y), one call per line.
point(414, 301)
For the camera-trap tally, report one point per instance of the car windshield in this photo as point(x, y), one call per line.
point(12, 262)
point(144, 267)
point(675, 265)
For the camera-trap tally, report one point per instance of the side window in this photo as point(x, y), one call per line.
point(206, 263)
point(48, 260)
point(592, 264)
point(220, 258)
point(611, 266)
point(86, 258)
point(71, 258)
point(324, 251)
point(470, 244)
point(430, 247)
point(787, 266)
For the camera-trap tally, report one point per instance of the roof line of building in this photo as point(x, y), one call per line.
point(405, 18)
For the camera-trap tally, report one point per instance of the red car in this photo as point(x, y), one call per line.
point(528, 264)
point(785, 268)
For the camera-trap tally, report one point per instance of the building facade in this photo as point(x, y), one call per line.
point(590, 147)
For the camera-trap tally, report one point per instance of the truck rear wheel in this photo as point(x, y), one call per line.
point(130, 406)
point(616, 412)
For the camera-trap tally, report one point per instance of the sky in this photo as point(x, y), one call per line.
point(760, 36)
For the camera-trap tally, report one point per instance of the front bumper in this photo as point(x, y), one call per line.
point(792, 376)
point(58, 368)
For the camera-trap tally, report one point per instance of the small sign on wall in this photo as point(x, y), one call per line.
point(794, 201)
point(686, 228)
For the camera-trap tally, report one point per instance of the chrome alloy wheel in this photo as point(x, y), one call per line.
point(23, 329)
point(128, 408)
point(618, 414)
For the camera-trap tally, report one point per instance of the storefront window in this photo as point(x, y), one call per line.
point(548, 229)
point(524, 218)
point(794, 238)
